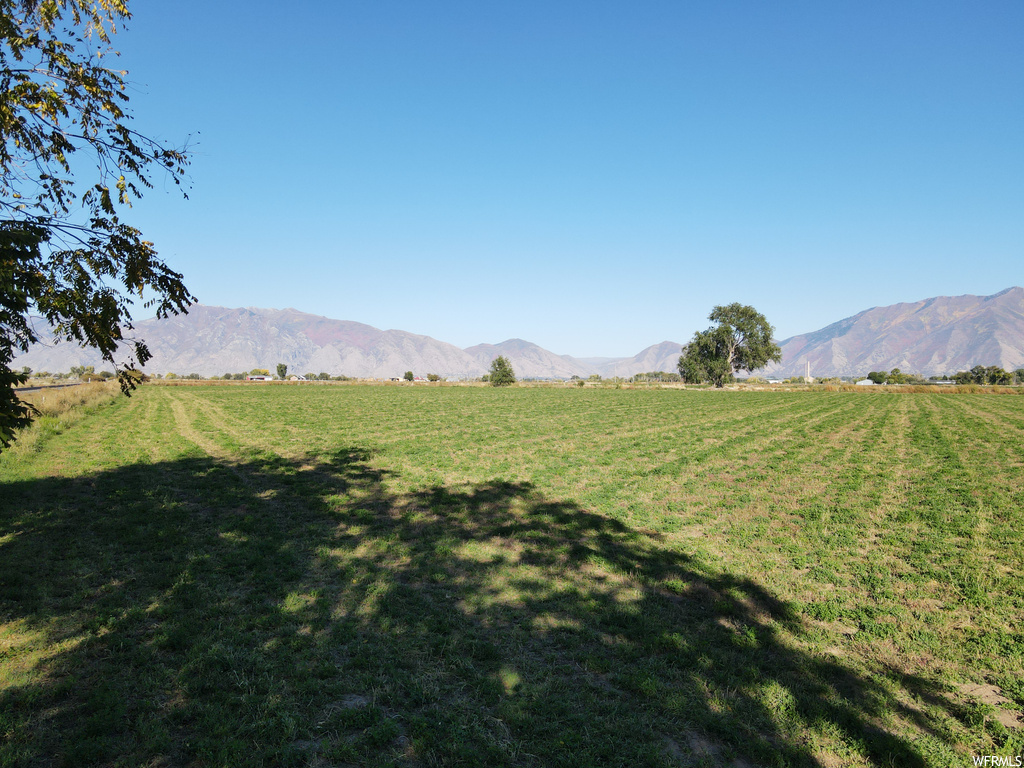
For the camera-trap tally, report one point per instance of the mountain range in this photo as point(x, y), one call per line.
point(929, 337)
point(218, 340)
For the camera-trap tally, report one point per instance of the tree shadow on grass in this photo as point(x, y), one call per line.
point(283, 612)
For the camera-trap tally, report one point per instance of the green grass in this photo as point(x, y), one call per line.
point(448, 576)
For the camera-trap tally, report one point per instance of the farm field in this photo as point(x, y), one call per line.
point(457, 576)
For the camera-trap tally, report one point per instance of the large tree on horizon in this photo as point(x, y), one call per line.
point(70, 165)
point(742, 340)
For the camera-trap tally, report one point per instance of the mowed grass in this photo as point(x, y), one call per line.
point(453, 576)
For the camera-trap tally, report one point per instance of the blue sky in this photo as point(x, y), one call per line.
point(590, 176)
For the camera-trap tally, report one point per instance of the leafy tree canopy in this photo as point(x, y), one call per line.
point(981, 374)
point(282, 370)
point(70, 163)
point(501, 374)
point(742, 340)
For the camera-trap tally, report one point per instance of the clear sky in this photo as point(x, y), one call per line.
point(590, 176)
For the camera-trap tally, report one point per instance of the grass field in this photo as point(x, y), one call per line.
point(441, 576)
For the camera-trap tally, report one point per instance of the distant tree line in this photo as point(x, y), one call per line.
point(895, 376)
point(322, 376)
point(979, 374)
point(76, 372)
point(658, 376)
point(991, 374)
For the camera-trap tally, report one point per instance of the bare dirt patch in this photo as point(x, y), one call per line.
point(1006, 713)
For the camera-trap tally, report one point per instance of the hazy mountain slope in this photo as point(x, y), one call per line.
point(940, 335)
point(657, 357)
point(530, 361)
point(217, 340)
